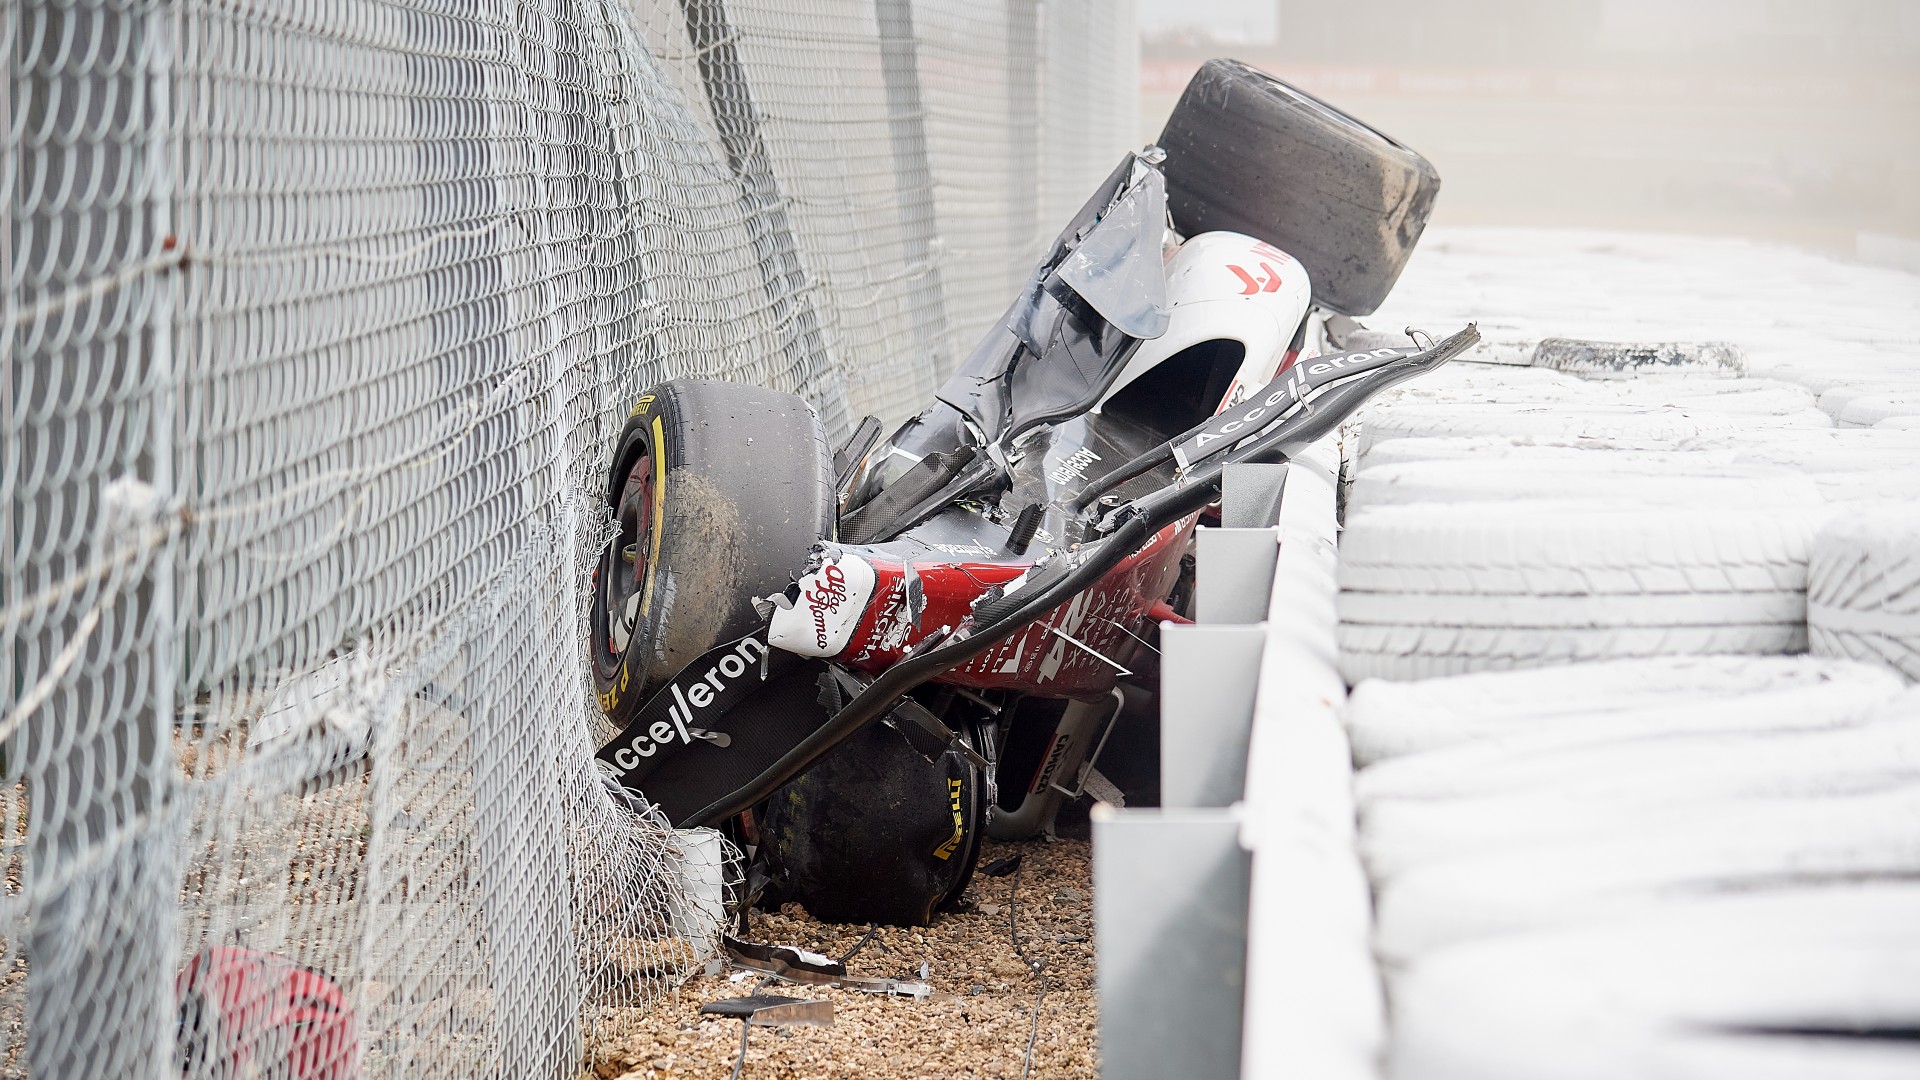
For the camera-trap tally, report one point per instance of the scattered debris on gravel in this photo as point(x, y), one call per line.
point(977, 1023)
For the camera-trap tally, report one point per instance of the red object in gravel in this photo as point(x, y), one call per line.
point(244, 1012)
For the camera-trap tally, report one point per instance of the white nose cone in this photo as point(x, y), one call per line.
point(832, 599)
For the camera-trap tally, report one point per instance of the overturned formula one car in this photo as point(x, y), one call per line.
point(861, 660)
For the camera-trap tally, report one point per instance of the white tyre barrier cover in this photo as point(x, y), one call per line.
point(1805, 418)
point(1826, 373)
point(1885, 739)
point(1462, 377)
point(1510, 385)
point(1440, 589)
point(1606, 612)
point(1574, 549)
point(1586, 421)
point(1627, 453)
point(1425, 652)
point(1863, 588)
point(1399, 834)
point(1680, 480)
point(1836, 401)
point(1611, 699)
point(1432, 807)
point(1869, 485)
point(1668, 1052)
point(1870, 410)
point(1721, 846)
point(1829, 450)
point(1741, 397)
point(1738, 987)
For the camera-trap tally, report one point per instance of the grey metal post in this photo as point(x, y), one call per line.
point(1023, 138)
point(1170, 894)
point(730, 96)
point(913, 179)
point(1208, 677)
point(96, 754)
point(1233, 575)
point(520, 848)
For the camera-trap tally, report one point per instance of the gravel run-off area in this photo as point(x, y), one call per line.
point(976, 1024)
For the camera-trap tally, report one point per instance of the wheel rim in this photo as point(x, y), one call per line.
point(624, 578)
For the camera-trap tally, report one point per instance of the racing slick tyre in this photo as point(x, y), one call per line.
point(876, 831)
point(720, 491)
point(1251, 154)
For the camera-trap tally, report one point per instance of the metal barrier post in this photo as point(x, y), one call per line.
point(730, 95)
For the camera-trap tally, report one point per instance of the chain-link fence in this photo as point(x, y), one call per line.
point(321, 315)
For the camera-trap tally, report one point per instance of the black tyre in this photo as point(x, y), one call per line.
point(720, 490)
point(1248, 153)
point(875, 832)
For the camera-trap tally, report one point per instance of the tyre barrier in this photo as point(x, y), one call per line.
point(1747, 844)
point(1611, 699)
point(1863, 588)
point(1344, 199)
point(1443, 589)
point(1771, 984)
point(1681, 480)
point(1872, 409)
point(1644, 455)
point(1738, 397)
point(1878, 399)
point(1601, 420)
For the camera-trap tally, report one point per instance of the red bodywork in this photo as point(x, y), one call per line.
point(1107, 618)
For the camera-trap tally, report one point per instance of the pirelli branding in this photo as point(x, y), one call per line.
point(952, 844)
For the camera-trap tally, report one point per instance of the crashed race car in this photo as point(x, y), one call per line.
point(860, 660)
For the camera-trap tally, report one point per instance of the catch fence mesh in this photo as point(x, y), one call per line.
point(322, 315)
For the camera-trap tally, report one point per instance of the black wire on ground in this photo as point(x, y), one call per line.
point(741, 1061)
point(1034, 967)
point(872, 929)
